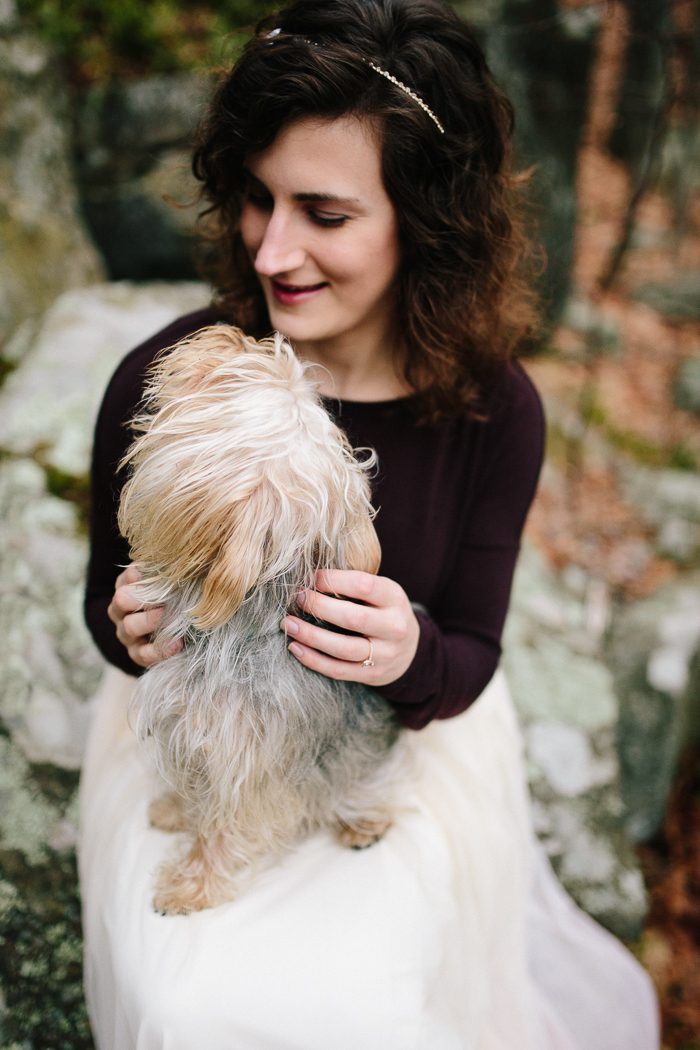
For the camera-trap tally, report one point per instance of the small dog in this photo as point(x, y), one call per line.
point(241, 488)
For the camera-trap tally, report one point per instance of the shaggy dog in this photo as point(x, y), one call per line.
point(241, 489)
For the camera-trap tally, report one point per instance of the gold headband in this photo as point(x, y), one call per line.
point(382, 72)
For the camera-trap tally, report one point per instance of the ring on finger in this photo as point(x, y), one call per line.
point(369, 662)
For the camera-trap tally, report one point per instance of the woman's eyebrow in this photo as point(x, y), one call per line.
point(304, 198)
point(325, 197)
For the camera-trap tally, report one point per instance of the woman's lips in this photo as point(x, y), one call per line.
point(290, 294)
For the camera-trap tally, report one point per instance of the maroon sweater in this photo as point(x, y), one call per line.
point(451, 501)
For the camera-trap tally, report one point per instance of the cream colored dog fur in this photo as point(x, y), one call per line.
point(241, 488)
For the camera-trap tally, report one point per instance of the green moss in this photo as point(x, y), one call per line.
point(75, 488)
point(6, 367)
point(100, 39)
point(56, 784)
point(638, 447)
point(41, 953)
point(592, 413)
point(679, 456)
point(683, 458)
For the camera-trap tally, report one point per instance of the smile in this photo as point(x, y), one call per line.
point(296, 293)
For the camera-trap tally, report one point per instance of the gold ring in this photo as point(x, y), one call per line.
point(369, 662)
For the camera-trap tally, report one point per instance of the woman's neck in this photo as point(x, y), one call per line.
point(355, 369)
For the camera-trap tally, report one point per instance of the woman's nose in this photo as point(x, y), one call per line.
point(280, 251)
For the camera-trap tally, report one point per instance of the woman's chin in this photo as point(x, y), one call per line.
point(301, 326)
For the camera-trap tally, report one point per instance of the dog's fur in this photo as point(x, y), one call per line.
point(241, 489)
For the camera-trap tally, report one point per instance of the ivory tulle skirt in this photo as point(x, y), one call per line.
point(450, 934)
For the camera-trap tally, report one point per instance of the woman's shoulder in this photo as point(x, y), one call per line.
point(512, 396)
point(513, 422)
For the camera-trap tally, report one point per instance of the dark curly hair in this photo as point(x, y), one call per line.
point(464, 303)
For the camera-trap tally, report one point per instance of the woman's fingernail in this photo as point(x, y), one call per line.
point(301, 598)
point(295, 650)
point(290, 627)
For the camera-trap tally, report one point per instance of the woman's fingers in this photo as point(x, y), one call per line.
point(360, 619)
point(126, 599)
point(340, 646)
point(135, 622)
point(343, 670)
point(375, 590)
point(130, 574)
point(378, 621)
point(139, 624)
point(144, 655)
point(381, 615)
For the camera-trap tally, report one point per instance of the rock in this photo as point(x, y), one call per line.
point(686, 392)
point(678, 302)
point(28, 822)
point(545, 73)
point(566, 699)
point(134, 143)
point(44, 246)
point(8, 15)
point(50, 402)
point(653, 654)
point(565, 756)
point(49, 666)
point(669, 501)
point(585, 317)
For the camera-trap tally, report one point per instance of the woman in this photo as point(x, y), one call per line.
point(356, 166)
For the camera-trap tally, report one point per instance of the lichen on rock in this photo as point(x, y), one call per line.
point(565, 695)
point(44, 246)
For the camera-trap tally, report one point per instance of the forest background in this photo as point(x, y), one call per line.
point(98, 103)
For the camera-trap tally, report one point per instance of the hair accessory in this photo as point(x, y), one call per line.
point(382, 72)
point(411, 94)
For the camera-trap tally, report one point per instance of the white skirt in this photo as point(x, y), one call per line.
point(450, 934)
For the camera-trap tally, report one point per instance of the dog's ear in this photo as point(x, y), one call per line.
point(361, 549)
point(239, 563)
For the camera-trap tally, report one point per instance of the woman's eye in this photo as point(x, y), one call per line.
point(327, 220)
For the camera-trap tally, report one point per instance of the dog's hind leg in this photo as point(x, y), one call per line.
point(362, 818)
point(167, 813)
point(367, 810)
point(361, 834)
point(201, 879)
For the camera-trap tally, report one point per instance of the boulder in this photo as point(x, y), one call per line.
point(133, 153)
point(679, 301)
point(49, 404)
point(567, 702)
point(669, 501)
point(49, 666)
point(44, 245)
point(653, 655)
point(686, 391)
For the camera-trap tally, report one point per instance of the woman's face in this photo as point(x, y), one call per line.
point(322, 233)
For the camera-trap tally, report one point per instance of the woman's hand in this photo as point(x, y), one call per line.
point(135, 622)
point(386, 620)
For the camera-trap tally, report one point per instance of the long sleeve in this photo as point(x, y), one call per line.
point(459, 645)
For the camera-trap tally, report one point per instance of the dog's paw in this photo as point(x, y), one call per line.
point(180, 896)
point(166, 813)
point(191, 883)
point(170, 904)
point(360, 838)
